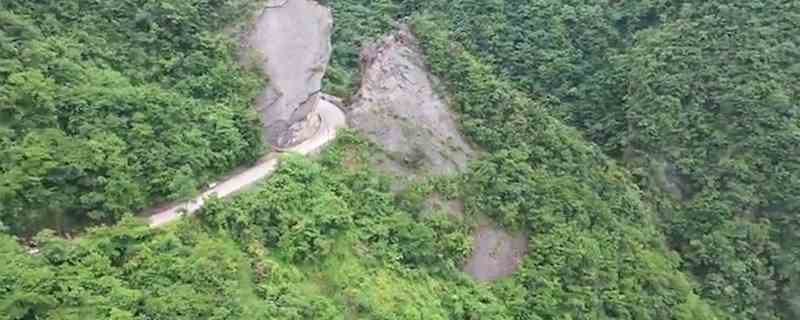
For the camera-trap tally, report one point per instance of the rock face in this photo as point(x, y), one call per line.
point(292, 38)
point(398, 108)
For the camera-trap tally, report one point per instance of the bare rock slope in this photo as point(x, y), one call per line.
point(398, 108)
point(292, 39)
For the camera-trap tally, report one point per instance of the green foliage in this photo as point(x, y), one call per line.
point(305, 245)
point(108, 106)
point(296, 211)
point(127, 272)
point(706, 88)
point(597, 253)
point(22, 281)
point(725, 111)
point(306, 206)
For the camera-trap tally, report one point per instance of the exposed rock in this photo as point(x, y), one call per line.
point(496, 253)
point(293, 40)
point(398, 108)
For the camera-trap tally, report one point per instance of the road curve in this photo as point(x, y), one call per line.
point(332, 118)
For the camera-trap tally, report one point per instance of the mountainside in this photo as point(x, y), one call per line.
point(547, 159)
point(698, 100)
point(291, 41)
point(109, 106)
point(397, 108)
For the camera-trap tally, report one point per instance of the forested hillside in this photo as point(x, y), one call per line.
point(699, 100)
point(319, 240)
point(649, 149)
point(108, 106)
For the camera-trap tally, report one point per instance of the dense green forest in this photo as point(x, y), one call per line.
point(108, 106)
point(318, 240)
point(649, 149)
point(698, 100)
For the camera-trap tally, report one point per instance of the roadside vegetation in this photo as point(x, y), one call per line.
point(109, 106)
point(318, 240)
point(648, 148)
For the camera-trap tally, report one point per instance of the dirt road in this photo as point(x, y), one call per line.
point(331, 117)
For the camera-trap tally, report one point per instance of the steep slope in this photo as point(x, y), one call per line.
point(398, 108)
point(292, 39)
point(109, 106)
point(595, 248)
point(698, 99)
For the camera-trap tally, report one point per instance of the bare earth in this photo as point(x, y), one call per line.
point(496, 253)
point(398, 108)
point(293, 41)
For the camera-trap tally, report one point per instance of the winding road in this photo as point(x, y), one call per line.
point(332, 118)
point(294, 37)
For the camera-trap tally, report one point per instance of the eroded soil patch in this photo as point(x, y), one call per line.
point(496, 253)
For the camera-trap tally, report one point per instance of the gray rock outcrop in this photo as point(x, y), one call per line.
point(398, 108)
point(292, 39)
